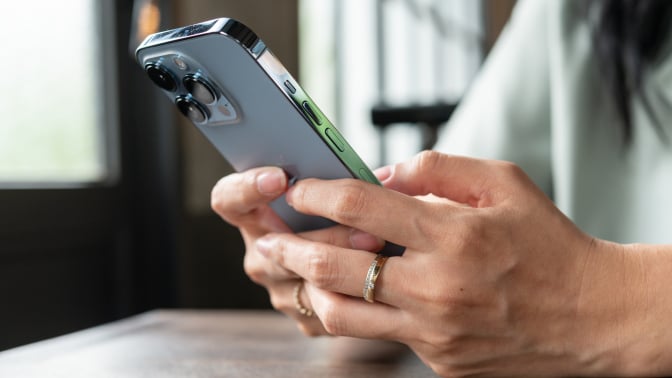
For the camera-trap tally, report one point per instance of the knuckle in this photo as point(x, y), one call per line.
point(333, 320)
point(447, 299)
point(350, 203)
point(468, 234)
point(280, 247)
point(473, 227)
point(508, 167)
point(428, 227)
point(248, 195)
point(510, 170)
point(427, 161)
point(443, 303)
point(322, 269)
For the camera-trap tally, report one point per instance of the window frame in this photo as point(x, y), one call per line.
point(107, 122)
point(74, 255)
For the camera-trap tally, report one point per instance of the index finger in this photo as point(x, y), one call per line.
point(335, 268)
point(390, 215)
point(476, 182)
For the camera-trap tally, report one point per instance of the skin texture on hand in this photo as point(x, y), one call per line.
point(242, 199)
point(495, 281)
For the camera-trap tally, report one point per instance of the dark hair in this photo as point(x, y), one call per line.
point(628, 36)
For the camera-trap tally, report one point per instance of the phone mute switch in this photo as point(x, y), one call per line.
point(311, 113)
point(291, 88)
point(335, 139)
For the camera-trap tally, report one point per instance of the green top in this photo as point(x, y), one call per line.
point(539, 102)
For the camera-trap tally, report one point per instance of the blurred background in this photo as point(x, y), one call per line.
point(105, 188)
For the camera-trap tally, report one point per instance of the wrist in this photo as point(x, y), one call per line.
point(626, 301)
point(647, 339)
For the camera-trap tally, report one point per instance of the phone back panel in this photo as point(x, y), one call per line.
point(268, 129)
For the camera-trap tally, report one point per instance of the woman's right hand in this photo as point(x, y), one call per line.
point(242, 199)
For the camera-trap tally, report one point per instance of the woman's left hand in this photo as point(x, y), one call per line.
point(501, 284)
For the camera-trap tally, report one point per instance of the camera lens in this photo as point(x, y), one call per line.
point(200, 89)
point(161, 76)
point(191, 109)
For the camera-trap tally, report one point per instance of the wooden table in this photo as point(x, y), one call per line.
point(212, 343)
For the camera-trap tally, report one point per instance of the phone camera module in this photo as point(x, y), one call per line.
point(180, 63)
point(192, 109)
point(200, 89)
point(161, 76)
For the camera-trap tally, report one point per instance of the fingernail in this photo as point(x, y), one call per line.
point(289, 196)
point(264, 245)
point(364, 241)
point(383, 173)
point(272, 182)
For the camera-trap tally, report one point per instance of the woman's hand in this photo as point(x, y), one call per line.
point(242, 199)
point(503, 284)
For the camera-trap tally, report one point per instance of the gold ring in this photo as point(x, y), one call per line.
point(372, 276)
point(303, 310)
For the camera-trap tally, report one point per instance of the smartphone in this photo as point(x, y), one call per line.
point(228, 83)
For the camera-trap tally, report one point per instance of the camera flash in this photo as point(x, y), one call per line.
point(224, 110)
point(181, 64)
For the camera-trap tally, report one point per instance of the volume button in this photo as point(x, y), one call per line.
point(366, 175)
point(335, 140)
point(311, 113)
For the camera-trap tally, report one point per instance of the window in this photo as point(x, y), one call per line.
point(359, 53)
point(54, 126)
point(82, 242)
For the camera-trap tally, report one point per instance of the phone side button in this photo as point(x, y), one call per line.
point(311, 113)
point(335, 140)
point(290, 87)
point(366, 175)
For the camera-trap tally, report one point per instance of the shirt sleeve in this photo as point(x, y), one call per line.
point(505, 114)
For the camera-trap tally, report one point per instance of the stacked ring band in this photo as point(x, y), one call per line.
point(372, 276)
point(303, 310)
